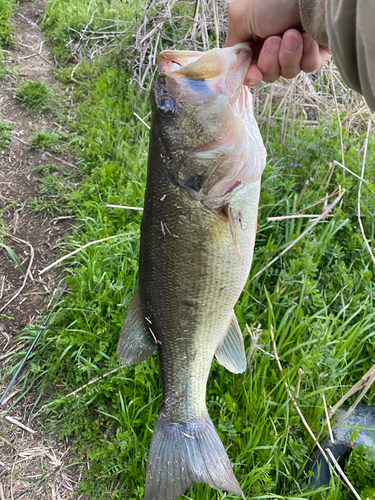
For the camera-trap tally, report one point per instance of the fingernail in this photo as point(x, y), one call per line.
point(307, 42)
point(251, 83)
point(273, 46)
point(291, 43)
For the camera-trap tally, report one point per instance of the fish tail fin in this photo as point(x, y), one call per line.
point(184, 454)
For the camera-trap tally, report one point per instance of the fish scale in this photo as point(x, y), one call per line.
point(191, 266)
point(197, 239)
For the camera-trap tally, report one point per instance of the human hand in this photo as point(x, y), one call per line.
point(279, 47)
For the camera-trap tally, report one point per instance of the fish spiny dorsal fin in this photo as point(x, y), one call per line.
point(231, 351)
point(185, 454)
point(134, 345)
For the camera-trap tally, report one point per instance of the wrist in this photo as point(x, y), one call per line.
point(274, 17)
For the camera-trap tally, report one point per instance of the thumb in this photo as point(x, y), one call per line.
point(239, 27)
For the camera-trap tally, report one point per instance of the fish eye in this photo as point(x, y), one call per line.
point(167, 106)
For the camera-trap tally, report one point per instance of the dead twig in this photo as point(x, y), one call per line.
point(142, 120)
point(359, 193)
point(343, 476)
point(338, 117)
point(295, 216)
point(356, 402)
point(123, 206)
point(28, 272)
point(327, 419)
point(369, 376)
point(255, 336)
point(56, 158)
point(322, 200)
point(8, 354)
point(296, 392)
point(322, 216)
point(19, 424)
point(58, 261)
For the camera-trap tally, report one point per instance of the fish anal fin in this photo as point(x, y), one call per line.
point(231, 351)
point(185, 454)
point(134, 345)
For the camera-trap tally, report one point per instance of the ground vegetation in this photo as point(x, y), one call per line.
point(307, 309)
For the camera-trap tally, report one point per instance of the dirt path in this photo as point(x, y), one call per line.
point(32, 465)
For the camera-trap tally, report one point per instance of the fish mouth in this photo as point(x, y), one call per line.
point(223, 70)
point(234, 155)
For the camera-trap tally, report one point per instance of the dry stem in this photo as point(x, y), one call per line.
point(359, 193)
point(58, 261)
point(324, 214)
point(28, 272)
point(341, 472)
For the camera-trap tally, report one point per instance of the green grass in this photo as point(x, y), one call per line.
point(6, 27)
point(360, 470)
point(3, 246)
point(318, 298)
point(47, 139)
point(35, 96)
point(64, 20)
point(55, 188)
point(5, 135)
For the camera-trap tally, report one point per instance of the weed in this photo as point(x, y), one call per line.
point(360, 469)
point(47, 139)
point(6, 28)
point(50, 168)
point(6, 70)
point(35, 96)
point(5, 135)
point(54, 191)
point(45, 207)
point(3, 246)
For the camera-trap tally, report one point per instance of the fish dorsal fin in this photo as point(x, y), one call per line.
point(231, 351)
point(134, 345)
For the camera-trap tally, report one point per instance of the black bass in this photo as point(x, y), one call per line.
point(206, 157)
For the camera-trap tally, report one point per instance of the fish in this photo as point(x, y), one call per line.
point(205, 162)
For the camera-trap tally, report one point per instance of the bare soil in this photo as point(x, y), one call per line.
point(32, 464)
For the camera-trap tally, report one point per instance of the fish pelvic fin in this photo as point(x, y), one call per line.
point(185, 454)
point(231, 351)
point(134, 345)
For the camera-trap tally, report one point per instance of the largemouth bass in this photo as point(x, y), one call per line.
point(206, 157)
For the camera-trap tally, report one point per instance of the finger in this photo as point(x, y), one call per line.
point(325, 54)
point(253, 76)
point(311, 59)
point(268, 60)
point(314, 55)
point(291, 53)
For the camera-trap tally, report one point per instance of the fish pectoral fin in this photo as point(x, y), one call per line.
point(185, 454)
point(230, 352)
point(134, 345)
point(234, 226)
